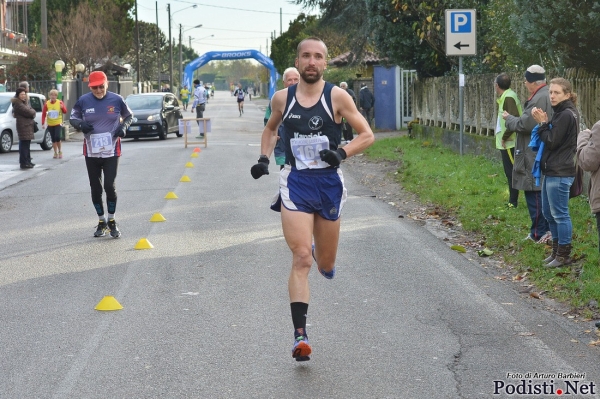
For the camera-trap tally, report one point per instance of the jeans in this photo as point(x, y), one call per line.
point(539, 225)
point(513, 194)
point(555, 206)
point(200, 111)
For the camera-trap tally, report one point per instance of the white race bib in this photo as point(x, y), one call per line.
point(306, 152)
point(101, 142)
point(53, 114)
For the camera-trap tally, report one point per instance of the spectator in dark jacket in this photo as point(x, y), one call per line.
point(522, 179)
point(559, 135)
point(346, 128)
point(366, 102)
point(588, 158)
point(25, 115)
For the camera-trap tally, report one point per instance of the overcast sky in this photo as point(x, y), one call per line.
point(235, 24)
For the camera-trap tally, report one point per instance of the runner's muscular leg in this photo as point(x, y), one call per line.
point(297, 230)
point(327, 234)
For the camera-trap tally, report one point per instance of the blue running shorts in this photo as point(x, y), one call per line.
point(320, 191)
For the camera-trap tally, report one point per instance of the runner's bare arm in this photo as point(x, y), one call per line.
point(345, 108)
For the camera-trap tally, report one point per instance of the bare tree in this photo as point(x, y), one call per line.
point(78, 37)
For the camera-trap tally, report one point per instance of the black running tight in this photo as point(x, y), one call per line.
point(95, 167)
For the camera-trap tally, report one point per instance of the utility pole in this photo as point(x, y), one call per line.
point(180, 58)
point(157, 50)
point(44, 24)
point(137, 49)
point(170, 50)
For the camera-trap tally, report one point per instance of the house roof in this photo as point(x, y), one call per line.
point(344, 59)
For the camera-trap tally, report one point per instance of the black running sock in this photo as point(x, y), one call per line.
point(299, 312)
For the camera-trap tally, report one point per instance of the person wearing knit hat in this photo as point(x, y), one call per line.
point(103, 117)
point(535, 82)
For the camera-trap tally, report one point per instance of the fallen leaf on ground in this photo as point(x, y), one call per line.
point(458, 248)
point(485, 252)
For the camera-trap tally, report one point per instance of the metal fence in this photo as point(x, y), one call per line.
point(35, 86)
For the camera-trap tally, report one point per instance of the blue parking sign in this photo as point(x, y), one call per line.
point(460, 22)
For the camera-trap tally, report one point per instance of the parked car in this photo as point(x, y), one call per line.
point(154, 114)
point(8, 123)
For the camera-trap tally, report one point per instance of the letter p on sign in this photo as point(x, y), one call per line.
point(461, 22)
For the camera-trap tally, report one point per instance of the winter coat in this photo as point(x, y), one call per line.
point(523, 125)
point(25, 115)
point(558, 158)
point(366, 99)
point(588, 158)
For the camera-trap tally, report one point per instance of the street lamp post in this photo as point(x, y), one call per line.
point(79, 69)
point(180, 55)
point(171, 44)
point(58, 67)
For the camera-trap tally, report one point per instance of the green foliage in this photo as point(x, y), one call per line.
point(283, 48)
point(232, 72)
point(474, 190)
point(151, 47)
point(558, 34)
point(116, 15)
point(38, 65)
point(337, 75)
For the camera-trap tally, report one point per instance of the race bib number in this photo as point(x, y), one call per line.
point(101, 142)
point(53, 114)
point(306, 152)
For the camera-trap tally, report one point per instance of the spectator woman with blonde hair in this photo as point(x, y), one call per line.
point(54, 109)
point(559, 136)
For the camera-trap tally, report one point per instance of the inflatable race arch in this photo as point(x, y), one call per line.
point(188, 73)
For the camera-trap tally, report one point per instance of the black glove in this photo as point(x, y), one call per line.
point(85, 127)
point(261, 168)
point(121, 131)
point(333, 158)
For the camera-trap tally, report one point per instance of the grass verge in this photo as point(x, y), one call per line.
point(474, 190)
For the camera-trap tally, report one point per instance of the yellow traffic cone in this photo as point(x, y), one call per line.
point(185, 178)
point(189, 165)
point(194, 155)
point(108, 303)
point(171, 195)
point(157, 217)
point(143, 243)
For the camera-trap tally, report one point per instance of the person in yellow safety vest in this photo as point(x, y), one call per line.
point(505, 139)
point(54, 110)
point(184, 94)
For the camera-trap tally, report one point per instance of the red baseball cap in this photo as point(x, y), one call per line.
point(97, 78)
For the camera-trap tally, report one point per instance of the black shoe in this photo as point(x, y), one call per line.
point(114, 230)
point(26, 166)
point(101, 229)
point(31, 164)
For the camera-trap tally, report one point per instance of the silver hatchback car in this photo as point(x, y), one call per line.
point(8, 123)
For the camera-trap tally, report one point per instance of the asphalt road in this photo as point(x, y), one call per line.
point(206, 312)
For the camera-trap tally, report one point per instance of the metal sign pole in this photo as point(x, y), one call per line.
point(461, 101)
point(461, 40)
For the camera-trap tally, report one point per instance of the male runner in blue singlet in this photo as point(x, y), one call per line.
point(311, 186)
